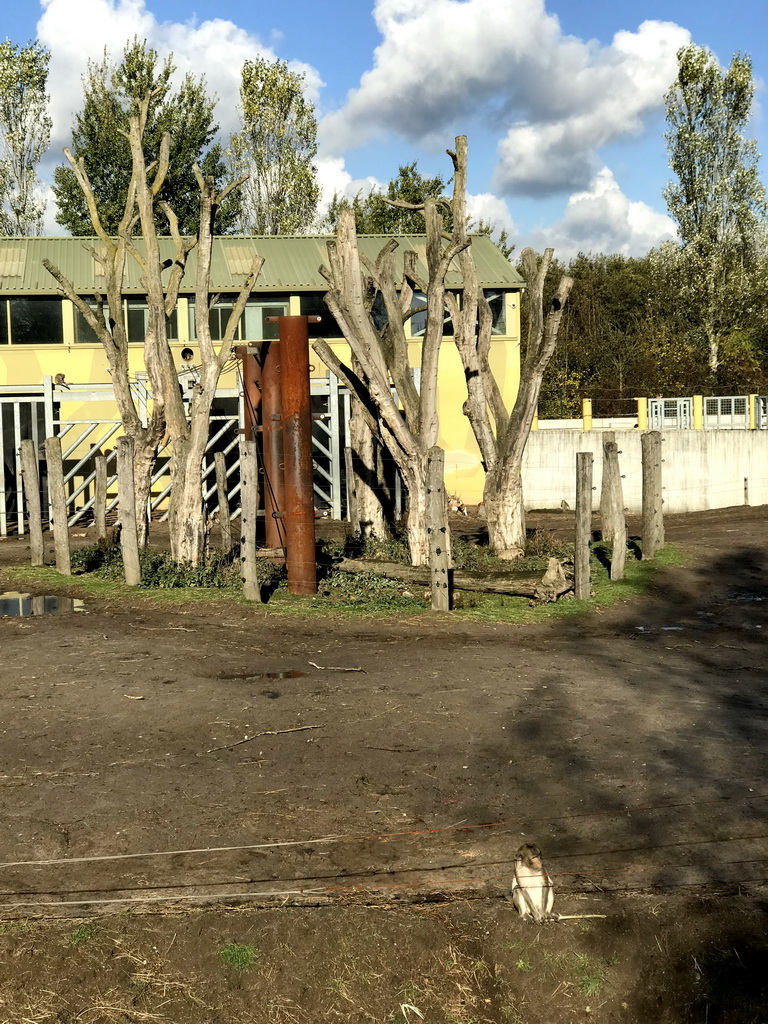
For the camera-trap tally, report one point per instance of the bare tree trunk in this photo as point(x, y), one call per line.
point(370, 511)
point(505, 511)
point(187, 514)
point(416, 522)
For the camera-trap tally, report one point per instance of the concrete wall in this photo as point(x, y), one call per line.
point(702, 468)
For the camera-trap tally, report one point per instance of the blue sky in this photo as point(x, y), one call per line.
point(562, 100)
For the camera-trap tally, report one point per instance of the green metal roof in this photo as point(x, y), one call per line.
point(291, 263)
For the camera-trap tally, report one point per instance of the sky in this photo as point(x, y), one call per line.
point(562, 101)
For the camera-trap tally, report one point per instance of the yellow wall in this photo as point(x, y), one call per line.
point(84, 364)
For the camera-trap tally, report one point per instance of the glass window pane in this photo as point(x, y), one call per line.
point(137, 319)
point(497, 301)
point(83, 333)
point(419, 320)
point(312, 304)
point(3, 321)
point(172, 327)
point(36, 321)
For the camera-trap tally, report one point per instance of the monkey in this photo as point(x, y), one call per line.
point(532, 890)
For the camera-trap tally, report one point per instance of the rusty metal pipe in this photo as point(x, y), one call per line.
point(272, 441)
point(299, 519)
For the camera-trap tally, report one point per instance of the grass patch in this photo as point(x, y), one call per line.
point(241, 957)
point(83, 933)
point(347, 595)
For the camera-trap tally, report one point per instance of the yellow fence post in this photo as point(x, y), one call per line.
point(642, 413)
point(535, 421)
point(698, 412)
point(752, 412)
point(586, 413)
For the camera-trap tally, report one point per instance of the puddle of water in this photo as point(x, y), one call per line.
point(14, 603)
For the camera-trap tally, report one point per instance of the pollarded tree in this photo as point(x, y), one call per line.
point(141, 207)
point(100, 138)
point(501, 434)
point(276, 149)
point(718, 198)
point(406, 423)
point(25, 132)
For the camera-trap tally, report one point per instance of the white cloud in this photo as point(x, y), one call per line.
point(603, 219)
point(447, 64)
point(491, 209)
point(78, 30)
point(335, 179)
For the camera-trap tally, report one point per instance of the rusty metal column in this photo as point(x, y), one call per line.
point(251, 374)
point(297, 456)
point(272, 438)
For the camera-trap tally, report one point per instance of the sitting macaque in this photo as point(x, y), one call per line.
point(532, 890)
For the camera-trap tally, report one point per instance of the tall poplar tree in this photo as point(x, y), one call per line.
point(25, 132)
point(276, 149)
point(100, 138)
point(718, 198)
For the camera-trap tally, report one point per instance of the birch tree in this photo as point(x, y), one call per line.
point(718, 198)
point(25, 132)
point(276, 149)
point(105, 317)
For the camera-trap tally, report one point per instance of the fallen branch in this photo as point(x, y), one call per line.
point(269, 732)
point(521, 586)
point(335, 668)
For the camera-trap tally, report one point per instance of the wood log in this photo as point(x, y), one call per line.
point(100, 498)
point(126, 491)
point(225, 526)
point(581, 578)
point(31, 478)
point(58, 500)
point(614, 526)
point(653, 517)
point(438, 534)
point(520, 586)
point(249, 495)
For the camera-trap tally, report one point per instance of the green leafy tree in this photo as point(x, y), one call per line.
point(25, 132)
point(276, 149)
point(100, 138)
point(718, 199)
point(375, 213)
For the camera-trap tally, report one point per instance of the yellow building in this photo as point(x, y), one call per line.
point(43, 335)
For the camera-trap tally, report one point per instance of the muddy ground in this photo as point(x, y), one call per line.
point(402, 761)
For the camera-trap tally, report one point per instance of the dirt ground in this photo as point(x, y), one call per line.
point(365, 829)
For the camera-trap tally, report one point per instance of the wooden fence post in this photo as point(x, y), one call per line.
point(653, 516)
point(220, 463)
point(614, 526)
point(31, 480)
point(438, 532)
point(100, 498)
point(581, 580)
point(126, 492)
point(58, 500)
point(249, 503)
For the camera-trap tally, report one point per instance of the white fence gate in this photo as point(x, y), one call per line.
point(39, 412)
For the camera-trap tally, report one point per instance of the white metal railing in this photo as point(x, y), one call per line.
point(727, 413)
point(670, 413)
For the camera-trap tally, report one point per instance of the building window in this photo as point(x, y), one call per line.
point(419, 320)
point(497, 300)
point(136, 313)
point(83, 333)
point(313, 304)
point(36, 321)
point(252, 325)
point(3, 321)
